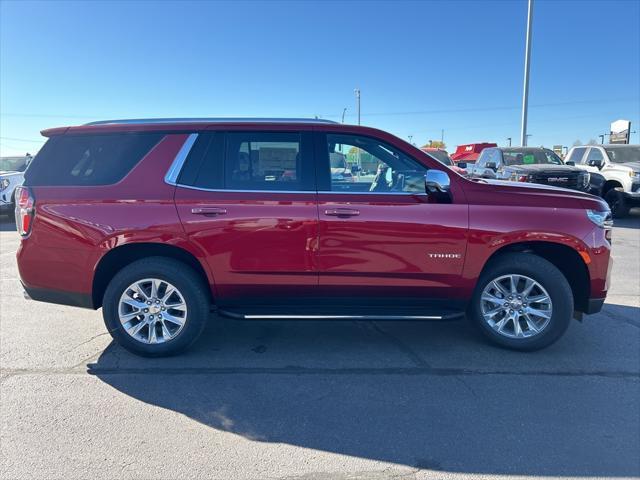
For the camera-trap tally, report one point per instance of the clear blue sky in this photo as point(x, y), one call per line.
point(421, 66)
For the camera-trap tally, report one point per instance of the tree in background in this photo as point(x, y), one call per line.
point(435, 144)
point(577, 142)
point(592, 142)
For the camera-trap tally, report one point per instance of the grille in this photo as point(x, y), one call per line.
point(559, 179)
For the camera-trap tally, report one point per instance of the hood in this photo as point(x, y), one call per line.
point(535, 194)
point(547, 167)
point(635, 166)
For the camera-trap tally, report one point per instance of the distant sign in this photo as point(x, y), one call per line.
point(557, 149)
point(620, 130)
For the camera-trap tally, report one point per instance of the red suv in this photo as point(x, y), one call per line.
point(160, 222)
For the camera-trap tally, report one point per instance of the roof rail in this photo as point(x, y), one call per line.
point(129, 121)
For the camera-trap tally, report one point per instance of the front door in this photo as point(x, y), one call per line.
point(380, 234)
point(248, 200)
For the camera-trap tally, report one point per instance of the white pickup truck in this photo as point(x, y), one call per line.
point(11, 176)
point(620, 166)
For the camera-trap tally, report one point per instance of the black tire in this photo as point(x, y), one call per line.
point(190, 285)
point(617, 203)
point(549, 277)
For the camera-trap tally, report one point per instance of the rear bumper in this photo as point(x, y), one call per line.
point(72, 299)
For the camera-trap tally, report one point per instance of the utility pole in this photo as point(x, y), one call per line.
point(509, 138)
point(357, 92)
point(343, 112)
point(442, 136)
point(525, 93)
point(601, 139)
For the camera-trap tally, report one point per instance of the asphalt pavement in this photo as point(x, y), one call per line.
point(320, 400)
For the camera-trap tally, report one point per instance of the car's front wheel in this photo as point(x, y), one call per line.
point(156, 307)
point(522, 302)
point(617, 204)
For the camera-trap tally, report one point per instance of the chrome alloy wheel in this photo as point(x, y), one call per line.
point(516, 306)
point(152, 311)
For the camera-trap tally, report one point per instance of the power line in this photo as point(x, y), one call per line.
point(372, 114)
point(22, 139)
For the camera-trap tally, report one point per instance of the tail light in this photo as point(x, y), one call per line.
point(25, 210)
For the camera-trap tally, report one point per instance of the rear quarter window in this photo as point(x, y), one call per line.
point(77, 160)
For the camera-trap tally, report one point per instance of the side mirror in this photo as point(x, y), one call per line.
point(491, 165)
point(437, 181)
point(595, 163)
point(570, 162)
point(462, 165)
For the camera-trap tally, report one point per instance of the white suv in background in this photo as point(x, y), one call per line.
point(620, 166)
point(11, 176)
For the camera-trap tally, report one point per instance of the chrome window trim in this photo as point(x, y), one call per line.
point(335, 192)
point(323, 192)
point(171, 176)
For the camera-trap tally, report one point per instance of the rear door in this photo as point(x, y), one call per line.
point(380, 235)
point(248, 200)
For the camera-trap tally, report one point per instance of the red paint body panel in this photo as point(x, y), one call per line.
point(75, 226)
point(271, 244)
point(264, 245)
point(386, 248)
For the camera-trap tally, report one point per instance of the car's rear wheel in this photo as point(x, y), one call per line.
point(156, 307)
point(522, 302)
point(617, 203)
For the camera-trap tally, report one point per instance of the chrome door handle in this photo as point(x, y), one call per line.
point(342, 212)
point(209, 211)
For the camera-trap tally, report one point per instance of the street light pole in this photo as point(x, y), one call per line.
point(525, 93)
point(509, 138)
point(357, 92)
point(343, 112)
point(601, 139)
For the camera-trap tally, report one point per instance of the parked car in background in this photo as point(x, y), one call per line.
point(11, 176)
point(443, 157)
point(533, 165)
point(620, 167)
point(159, 222)
point(469, 153)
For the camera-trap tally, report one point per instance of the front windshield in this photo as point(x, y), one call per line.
point(13, 164)
point(530, 157)
point(623, 154)
point(441, 156)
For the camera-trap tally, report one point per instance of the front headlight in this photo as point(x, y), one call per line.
point(4, 183)
point(586, 178)
point(600, 218)
point(635, 176)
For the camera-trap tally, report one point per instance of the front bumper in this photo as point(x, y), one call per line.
point(632, 198)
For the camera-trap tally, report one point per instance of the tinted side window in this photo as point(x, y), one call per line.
point(204, 166)
point(576, 155)
point(89, 159)
point(363, 164)
point(266, 161)
point(489, 155)
point(594, 154)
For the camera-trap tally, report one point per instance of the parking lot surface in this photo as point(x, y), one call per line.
point(320, 400)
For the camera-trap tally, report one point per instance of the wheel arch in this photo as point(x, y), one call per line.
point(610, 184)
point(119, 257)
point(566, 259)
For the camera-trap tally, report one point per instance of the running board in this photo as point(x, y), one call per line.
point(275, 316)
